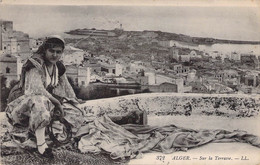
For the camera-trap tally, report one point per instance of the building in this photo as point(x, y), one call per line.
point(191, 76)
point(11, 68)
point(181, 54)
point(194, 56)
point(229, 77)
point(184, 58)
point(179, 68)
point(235, 56)
point(159, 79)
point(83, 76)
point(193, 53)
point(198, 87)
point(35, 43)
point(215, 54)
point(222, 89)
point(174, 53)
point(151, 77)
point(164, 87)
point(158, 65)
point(142, 80)
point(114, 68)
point(172, 43)
point(13, 42)
point(136, 67)
point(72, 55)
point(249, 60)
point(79, 75)
point(154, 41)
point(105, 59)
point(93, 32)
point(94, 67)
point(145, 78)
point(252, 79)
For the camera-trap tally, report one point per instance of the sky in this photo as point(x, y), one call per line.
point(234, 23)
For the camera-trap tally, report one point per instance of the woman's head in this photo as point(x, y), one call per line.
point(52, 49)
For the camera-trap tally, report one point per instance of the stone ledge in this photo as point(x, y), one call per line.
point(177, 104)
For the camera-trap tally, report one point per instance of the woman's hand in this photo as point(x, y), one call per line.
point(59, 110)
point(58, 107)
point(73, 101)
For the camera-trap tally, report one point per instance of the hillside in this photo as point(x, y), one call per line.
point(164, 36)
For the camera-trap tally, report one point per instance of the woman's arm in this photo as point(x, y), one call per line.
point(64, 88)
point(34, 85)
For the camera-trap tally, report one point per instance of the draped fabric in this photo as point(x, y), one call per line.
point(99, 134)
point(128, 141)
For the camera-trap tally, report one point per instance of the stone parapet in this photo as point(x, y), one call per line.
point(230, 105)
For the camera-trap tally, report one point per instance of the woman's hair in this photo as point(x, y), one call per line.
point(51, 42)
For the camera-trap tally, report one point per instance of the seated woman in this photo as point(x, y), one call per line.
point(42, 85)
point(43, 82)
point(32, 99)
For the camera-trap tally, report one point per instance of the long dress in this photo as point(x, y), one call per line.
point(32, 109)
point(97, 132)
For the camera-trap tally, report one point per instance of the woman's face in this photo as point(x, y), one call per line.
point(53, 54)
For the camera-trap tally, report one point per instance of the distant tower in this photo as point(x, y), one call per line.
point(175, 53)
point(121, 27)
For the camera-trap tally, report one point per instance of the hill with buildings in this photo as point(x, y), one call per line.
point(159, 35)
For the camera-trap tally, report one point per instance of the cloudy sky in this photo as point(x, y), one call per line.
point(237, 23)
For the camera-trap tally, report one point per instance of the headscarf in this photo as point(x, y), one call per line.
point(51, 42)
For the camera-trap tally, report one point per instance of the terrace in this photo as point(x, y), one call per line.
point(209, 111)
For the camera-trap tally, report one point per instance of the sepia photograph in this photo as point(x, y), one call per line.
point(138, 82)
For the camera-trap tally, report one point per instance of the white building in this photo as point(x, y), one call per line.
point(184, 58)
point(79, 75)
point(35, 43)
point(191, 76)
point(72, 55)
point(235, 56)
point(83, 76)
point(151, 78)
point(215, 54)
point(193, 54)
point(10, 67)
point(119, 70)
point(13, 42)
point(114, 68)
point(136, 68)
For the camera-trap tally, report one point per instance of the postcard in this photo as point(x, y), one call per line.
point(137, 82)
